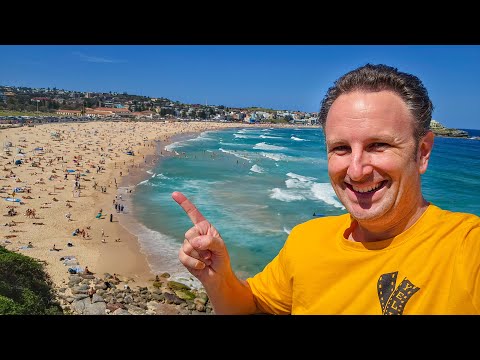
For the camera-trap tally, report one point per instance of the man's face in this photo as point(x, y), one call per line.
point(372, 163)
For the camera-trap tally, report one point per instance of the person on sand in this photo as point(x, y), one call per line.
point(393, 253)
point(91, 292)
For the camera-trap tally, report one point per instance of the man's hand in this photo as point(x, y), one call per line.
point(203, 251)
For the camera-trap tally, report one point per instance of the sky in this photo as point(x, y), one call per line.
point(280, 77)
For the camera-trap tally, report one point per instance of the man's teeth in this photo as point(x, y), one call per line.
point(367, 189)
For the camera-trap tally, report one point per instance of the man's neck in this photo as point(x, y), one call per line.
point(365, 231)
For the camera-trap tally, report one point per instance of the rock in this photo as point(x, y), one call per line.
point(183, 312)
point(157, 284)
point(152, 305)
point(88, 277)
point(84, 307)
point(185, 294)
point(121, 312)
point(81, 296)
point(97, 298)
point(77, 290)
point(164, 309)
point(74, 281)
point(75, 278)
point(175, 285)
point(158, 297)
point(157, 291)
point(172, 298)
point(195, 312)
point(101, 286)
point(200, 307)
point(203, 295)
point(199, 300)
point(114, 306)
point(135, 310)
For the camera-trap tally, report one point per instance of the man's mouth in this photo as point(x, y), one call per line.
point(367, 190)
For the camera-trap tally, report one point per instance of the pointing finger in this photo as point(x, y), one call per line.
point(193, 213)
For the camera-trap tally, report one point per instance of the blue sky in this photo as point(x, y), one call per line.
point(290, 77)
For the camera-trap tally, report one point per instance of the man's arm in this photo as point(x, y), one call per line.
point(205, 256)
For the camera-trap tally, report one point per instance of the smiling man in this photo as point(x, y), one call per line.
point(393, 253)
point(375, 162)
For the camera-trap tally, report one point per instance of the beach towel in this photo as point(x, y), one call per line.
point(76, 270)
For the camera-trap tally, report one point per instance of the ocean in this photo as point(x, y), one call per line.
point(255, 184)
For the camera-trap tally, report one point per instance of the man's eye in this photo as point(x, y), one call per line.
point(340, 149)
point(379, 145)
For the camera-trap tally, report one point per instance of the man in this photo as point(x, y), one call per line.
point(91, 291)
point(393, 253)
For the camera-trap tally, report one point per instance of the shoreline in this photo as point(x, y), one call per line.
point(134, 226)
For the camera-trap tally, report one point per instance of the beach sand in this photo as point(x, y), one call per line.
point(96, 153)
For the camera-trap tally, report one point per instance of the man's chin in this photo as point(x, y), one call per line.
point(363, 214)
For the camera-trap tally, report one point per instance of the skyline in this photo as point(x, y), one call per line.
point(280, 77)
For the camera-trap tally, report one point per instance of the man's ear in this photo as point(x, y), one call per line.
point(424, 151)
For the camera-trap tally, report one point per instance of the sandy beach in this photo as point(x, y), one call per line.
point(62, 177)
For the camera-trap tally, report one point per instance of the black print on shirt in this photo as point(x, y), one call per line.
point(393, 300)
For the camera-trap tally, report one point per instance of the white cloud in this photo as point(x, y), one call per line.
point(97, 59)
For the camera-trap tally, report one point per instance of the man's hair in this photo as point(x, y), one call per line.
point(373, 78)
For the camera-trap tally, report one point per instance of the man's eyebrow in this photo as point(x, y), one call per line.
point(372, 139)
point(332, 142)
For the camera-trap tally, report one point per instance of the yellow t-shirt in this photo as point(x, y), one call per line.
point(431, 268)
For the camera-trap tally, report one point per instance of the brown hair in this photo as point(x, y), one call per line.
point(380, 77)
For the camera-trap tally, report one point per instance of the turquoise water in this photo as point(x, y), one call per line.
point(254, 185)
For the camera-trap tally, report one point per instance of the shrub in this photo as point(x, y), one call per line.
point(25, 287)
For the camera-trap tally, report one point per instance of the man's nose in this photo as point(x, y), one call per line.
point(360, 165)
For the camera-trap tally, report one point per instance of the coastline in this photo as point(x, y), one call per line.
point(134, 227)
point(96, 152)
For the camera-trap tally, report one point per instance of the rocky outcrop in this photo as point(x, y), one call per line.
point(440, 130)
point(115, 297)
point(451, 133)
